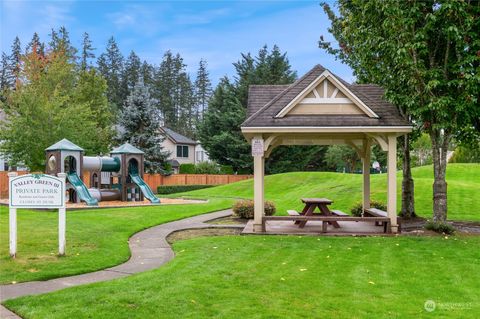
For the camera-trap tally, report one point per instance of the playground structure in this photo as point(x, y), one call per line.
point(115, 177)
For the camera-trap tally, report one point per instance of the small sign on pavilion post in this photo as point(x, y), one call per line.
point(36, 191)
point(257, 147)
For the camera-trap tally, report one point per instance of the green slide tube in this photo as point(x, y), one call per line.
point(147, 192)
point(82, 191)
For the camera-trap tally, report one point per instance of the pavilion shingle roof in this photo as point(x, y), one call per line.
point(265, 101)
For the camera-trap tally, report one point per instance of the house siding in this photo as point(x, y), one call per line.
point(168, 145)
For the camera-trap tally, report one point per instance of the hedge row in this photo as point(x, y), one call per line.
point(171, 189)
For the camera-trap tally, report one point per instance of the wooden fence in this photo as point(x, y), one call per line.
point(154, 180)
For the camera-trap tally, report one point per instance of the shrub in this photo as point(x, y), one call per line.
point(442, 228)
point(244, 171)
point(171, 189)
point(226, 169)
point(245, 208)
point(187, 169)
point(356, 210)
point(207, 168)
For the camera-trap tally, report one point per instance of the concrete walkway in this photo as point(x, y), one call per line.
point(149, 250)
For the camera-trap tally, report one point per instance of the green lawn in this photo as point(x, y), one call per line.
point(286, 277)
point(232, 276)
point(346, 189)
point(96, 239)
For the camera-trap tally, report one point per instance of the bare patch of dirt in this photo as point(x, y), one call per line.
point(416, 225)
point(202, 232)
point(229, 220)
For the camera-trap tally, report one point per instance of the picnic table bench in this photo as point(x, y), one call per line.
point(375, 212)
point(328, 219)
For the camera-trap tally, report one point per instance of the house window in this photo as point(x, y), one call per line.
point(182, 151)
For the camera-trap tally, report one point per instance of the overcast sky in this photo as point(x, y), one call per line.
point(217, 31)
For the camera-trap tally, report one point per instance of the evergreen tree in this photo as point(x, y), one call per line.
point(4, 75)
point(140, 122)
point(14, 61)
point(131, 72)
point(147, 73)
point(35, 45)
point(87, 51)
point(65, 44)
point(174, 92)
point(110, 65)
point(245, 76)
point(267, 68)
point(164, 87)
point(220, 133)
point(203, 90)
point(54, 42)
point(186, 107)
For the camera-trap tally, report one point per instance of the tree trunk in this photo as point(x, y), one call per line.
point(439, 153)
point(408, 198)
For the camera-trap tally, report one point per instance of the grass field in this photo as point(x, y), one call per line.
point(256, 276)
point(286, 277)
point(346, 189)
point(96, 239)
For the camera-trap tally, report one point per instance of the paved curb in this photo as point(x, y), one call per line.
point(149, 250)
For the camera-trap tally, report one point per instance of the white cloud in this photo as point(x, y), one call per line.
point(140, 18)
point(23, 18)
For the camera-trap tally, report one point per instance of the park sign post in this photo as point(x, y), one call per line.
point(36, 191)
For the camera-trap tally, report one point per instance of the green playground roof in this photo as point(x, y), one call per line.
point(126, 148)
point(64, 145)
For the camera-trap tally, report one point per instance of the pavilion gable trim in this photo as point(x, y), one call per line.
point(307, 102)
point(319, 93)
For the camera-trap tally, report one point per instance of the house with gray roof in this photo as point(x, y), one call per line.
point(183, 150)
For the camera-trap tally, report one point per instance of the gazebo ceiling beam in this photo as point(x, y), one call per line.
point(360, 150)
point(322, 141)
point(381, 141)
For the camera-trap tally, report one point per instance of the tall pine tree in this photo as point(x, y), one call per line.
point(203, 90)
point(219, 131)
point(267, 68)
point(140, 121)
point(35, 45)
point(14, 61)
point(131, 72)
point(110, 65)
point(87, 51)
point(174, 92)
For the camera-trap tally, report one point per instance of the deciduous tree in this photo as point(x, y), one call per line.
point(426, 56)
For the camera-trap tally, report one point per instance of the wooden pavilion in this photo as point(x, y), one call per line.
point(322, 109)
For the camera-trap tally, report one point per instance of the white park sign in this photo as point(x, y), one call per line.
point(36, 191)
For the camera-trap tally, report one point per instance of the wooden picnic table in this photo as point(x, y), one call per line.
point(309, 210)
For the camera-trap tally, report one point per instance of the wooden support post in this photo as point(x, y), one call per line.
point(259, 199)
point(392, 182)
point(12, 218)
point(62, 223)
point(258, 182)
point(366, 175)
